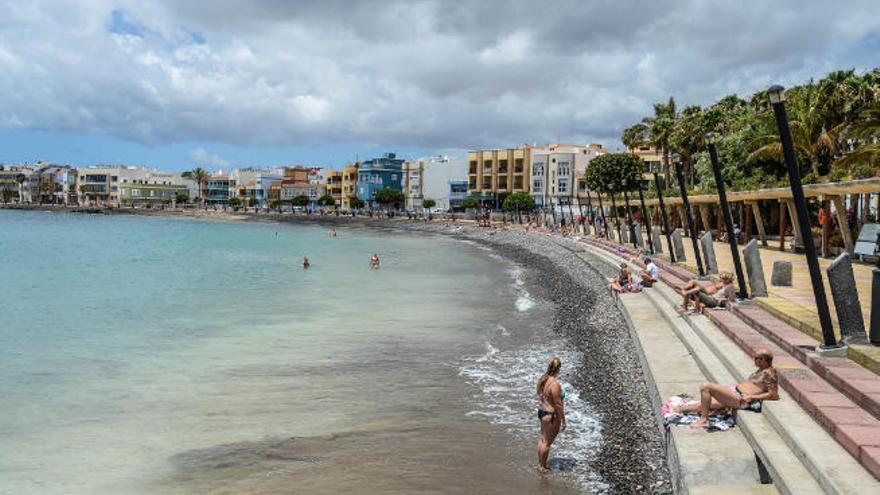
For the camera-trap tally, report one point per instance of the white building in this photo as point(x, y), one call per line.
point(438, 171)
point(558, 171)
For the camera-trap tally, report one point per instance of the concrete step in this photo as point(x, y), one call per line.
point(788, 473)
point(805, 442)
point(857, 383)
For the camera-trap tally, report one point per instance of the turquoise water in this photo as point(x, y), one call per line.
point(157, 355)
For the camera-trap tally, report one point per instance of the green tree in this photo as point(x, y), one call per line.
point(355, 203)
point(429, 203)
point(234, 202)
point(181, 197)
point(327, 200)
point(469, 202)
point(301, 200)
point(390, 197)
point(867, 133)
point(518, 201)
point(200, 177)
point(608, 173)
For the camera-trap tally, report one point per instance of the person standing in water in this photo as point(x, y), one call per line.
point(374, 261)
point(551, 410)
point(306, 263)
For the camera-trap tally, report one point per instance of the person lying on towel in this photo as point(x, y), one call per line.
point(760, 385)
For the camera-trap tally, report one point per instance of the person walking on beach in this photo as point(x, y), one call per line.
point(374, 261)
point(551, 410)
point(306, 263)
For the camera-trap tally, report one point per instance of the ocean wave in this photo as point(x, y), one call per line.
point(506, 382)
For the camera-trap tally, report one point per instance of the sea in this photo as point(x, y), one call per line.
point(157, 355)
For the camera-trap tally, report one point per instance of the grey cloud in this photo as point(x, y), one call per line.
point(433, 74)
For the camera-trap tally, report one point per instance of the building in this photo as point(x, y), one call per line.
point(439, 170)
point(334, 186)
point(99, 185)
point(385, 172)
point(458, 190)
point(142, 186)
point(349, 184)
point(291, 176)
point(56, 184)
point(252, 184)
point(493, 174)
point(413, 185)
point(653, 159)
point(220, 189)
point(557, 173)
point(291, 190)
point(13, 183)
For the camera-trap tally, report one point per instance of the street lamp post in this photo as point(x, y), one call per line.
point(725, 211)
point(643, 184)
point(690, 222)
point(665, 218)
point(777, 100)
point(602, 215)
point(632, 227)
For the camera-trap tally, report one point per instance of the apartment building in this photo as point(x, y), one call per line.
point(349, 184)
point(252, 184)
point(413, 185)
point(557, 173)
point(493, 174)
point(99, 185)
point(53, 184)
point(384, 172)
point(334, 186)
point(13, 183)
point(458, 190)
point(143, 186)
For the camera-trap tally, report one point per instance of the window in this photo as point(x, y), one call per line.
point(563, 186)
point(564, 168)
point(136, 193)
point(393, 176)
point(538, 170)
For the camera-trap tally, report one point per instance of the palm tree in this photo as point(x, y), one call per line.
point(867, 132)
point(807, 119)
point(660, 128)
point(200, 176)
point(635, 136)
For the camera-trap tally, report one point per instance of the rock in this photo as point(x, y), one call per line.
point(709, 252)
point(637, 229)
point(678, 244)
point(755, 269)
point(781, 276)
point(846, 300)
point(655, 238)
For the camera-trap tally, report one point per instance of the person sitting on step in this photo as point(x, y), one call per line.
point(763, 384)
point(651, 274)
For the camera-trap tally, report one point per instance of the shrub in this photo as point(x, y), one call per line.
point(429, 203)
point(520, 201)
point(468, 203)
point(863, 171)
point(810, 178)
point(837, 175)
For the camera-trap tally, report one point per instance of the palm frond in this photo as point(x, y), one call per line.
point(768, 151)
point(869, 153)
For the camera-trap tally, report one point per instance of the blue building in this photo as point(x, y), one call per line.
point(374, 175)
point(458, 190)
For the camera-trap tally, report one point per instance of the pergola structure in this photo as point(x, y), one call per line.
point(832, 191)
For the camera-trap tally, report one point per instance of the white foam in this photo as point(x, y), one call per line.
point(524, 302)
point(506, 381)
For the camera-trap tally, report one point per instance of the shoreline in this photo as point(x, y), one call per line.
point(609, 376)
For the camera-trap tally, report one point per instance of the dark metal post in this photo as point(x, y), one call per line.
point(777, 100)
point(874, 333)
point(690, 221)
point(647, 220)
point(667, 232)
point(728, 220)
point(614, 216)
point(632, 227)
point(602, 214)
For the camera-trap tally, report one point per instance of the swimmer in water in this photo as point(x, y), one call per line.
point(374, 261)
point(306, 263)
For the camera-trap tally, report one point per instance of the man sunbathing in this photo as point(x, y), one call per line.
point(761, 385)
point(699, 296)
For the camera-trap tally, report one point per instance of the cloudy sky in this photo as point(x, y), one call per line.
point(179, 83)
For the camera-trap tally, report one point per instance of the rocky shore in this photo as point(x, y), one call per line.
point(633, 451)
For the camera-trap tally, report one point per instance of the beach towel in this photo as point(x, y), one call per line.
point(717, 422)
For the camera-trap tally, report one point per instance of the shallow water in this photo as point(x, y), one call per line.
point(153, 355)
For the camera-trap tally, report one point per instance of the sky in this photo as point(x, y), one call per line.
point(182, 83)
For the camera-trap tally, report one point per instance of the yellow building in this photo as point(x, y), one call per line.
point(334, 185)
point(349, 185)
point(493, 174)
point(653, 159)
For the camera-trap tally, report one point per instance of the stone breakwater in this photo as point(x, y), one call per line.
point(633, 453)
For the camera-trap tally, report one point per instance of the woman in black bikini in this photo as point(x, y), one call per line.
point(551, 411)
